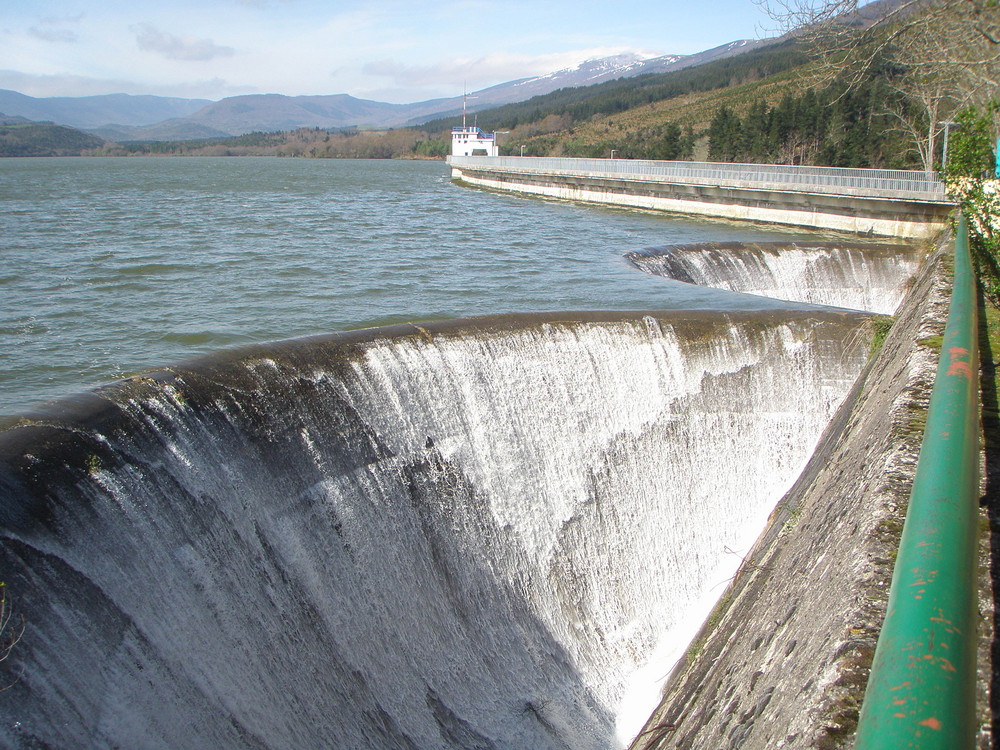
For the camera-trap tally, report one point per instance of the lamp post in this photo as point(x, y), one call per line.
point(944, 155)
point(613, 152)
point(522, 149)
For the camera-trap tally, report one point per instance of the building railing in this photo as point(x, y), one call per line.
point(924, 185)
point(922, 688)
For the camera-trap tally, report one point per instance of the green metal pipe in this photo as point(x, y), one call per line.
point(922, 688)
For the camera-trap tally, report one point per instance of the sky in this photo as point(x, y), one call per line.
point(390, 50)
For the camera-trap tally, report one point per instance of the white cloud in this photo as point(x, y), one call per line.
point(173, 47)
point(484, 71)
point(53, 35)
point(55, 29)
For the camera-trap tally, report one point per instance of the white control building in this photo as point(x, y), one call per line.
point(471, 141)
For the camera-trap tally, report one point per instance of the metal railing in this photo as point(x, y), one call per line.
point(922, 688)
point(826, 179)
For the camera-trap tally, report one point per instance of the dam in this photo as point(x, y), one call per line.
point(880, 202)
point(495, 532)
point(449, 535)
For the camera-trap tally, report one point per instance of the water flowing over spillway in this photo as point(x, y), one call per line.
point(458, 535)
point(841, 274)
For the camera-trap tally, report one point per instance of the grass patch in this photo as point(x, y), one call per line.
point(989, 358)
point(882, 325)
point(917, 422)
point(793, 519)
point(991, 320)
point(932, 342)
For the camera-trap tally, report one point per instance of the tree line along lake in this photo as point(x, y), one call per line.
point(112, 266)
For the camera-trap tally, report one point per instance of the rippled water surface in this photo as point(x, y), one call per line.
point(111, 266)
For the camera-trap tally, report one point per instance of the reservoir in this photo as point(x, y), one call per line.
point(111, 266)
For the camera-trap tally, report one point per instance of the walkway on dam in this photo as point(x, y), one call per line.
point(883, 183)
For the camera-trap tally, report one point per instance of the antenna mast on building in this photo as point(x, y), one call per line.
point(465, 103)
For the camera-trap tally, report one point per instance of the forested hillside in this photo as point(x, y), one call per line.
point(43, 139)
point(583, 103)
point(835, 127)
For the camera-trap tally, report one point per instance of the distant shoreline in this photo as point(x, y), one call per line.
point(34, 139)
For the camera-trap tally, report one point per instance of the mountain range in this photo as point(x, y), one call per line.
point(123, 117)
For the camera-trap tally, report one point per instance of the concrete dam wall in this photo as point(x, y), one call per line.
point(487, 533)
point(465, 535)
point(906, 205)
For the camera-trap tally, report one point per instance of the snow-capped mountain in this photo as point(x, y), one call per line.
point(603, 69)
point(597, 70)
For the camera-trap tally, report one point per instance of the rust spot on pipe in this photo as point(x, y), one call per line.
point(931, 723)
point(958, 365)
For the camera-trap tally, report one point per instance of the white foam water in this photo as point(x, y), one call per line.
point(474, 535)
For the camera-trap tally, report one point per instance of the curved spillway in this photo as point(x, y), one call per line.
point(460, 535)
point(858, 276)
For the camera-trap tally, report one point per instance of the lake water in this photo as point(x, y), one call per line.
point(112, 266)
